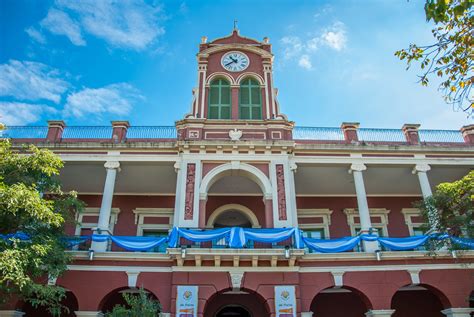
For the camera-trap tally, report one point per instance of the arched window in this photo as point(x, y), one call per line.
point(219, 99)
point(250, 100)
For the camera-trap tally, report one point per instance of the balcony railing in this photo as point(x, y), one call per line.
point(318, 133)
point(20, 132)
point(99, 132)
point(381, 135)
point(326, 134)
point(151, 132)
point(441, 136)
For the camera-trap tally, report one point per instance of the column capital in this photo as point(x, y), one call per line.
point(458, 312)
point(112, 165)
point(421, 168)
point(380, 313)
point(293, 167)
point(359, 167)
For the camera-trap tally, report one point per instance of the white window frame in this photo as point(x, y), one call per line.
point(408, 213)
point(94, 212)
point(142, 213)
point(352, 213)
point(325, 214)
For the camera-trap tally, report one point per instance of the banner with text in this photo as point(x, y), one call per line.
point(285, 301)
point(187, 301)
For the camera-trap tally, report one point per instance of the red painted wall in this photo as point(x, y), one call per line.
point(254, 203)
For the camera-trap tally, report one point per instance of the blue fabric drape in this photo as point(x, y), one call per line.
point(236, 237)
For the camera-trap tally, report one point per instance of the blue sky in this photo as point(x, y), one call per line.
point(90, 61)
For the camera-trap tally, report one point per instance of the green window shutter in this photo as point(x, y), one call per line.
point(250, 101)
point(219, 99)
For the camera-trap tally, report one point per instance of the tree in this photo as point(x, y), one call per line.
point(450, 57)
point(25, 264)
point(139, 305)
point(454, 208)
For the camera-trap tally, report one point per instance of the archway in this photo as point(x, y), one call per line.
point(334, 302)
point(69, 302)
point(115, 297)
point(233, 311)
point(419, 300)
point(233, 215)
point(241, 303)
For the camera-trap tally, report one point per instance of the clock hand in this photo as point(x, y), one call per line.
point(229, 63)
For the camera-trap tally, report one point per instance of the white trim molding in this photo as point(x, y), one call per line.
point(408, 213)
point(142, 213)
point(324, 214)
point(352, 213)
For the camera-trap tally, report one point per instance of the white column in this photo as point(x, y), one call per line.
point(89, 314)
point(380, 313)
point(421, 170)
point(363, 206)
point(11, 313)
point(106, 207)
point(307, 314)
point(458, 312)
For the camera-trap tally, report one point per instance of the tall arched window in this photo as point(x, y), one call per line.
point(250, 100)
point(219, 99)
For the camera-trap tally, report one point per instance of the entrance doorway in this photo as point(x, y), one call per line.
point(233, 311)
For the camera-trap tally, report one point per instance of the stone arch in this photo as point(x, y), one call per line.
point(330, 302)
point(252, 75)
point(244, 210)
point(250, 300)
point(70, 301)
point(428, 299)
point(114, 297)
point(220, 75)
point(236, 168)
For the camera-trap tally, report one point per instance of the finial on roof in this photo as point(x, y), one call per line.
point(204, 40)
point(235, 25)
point(266, 40)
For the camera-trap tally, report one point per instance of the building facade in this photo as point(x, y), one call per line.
point(235, 160)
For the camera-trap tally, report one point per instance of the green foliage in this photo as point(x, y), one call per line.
point(139, 305)
point(25, 265)
point(450, 57)
point(453, 205)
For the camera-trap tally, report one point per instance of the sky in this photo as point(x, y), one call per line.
point(89, 62)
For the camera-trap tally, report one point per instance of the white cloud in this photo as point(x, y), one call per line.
point(293, 46)
point(114, 99)
point(301, 50)
point(335, 37)
point(305, 62)
point(60, 23)
point(31, 81)
point(18, 113)
point(130, 24)
point(36, 35)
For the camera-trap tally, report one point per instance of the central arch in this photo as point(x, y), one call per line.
point(246, 212)
point(236, 168)
point(243, 303)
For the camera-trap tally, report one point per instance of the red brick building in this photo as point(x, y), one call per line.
point(235, 160)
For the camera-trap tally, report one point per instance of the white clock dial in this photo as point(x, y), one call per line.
point(235, 61)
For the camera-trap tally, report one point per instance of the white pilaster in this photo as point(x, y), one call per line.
point(106, 206)
point(179, 197)
point(307, 314)
point(421, 170)
point(363, 206)
point(380, 313)
point(89, 314)
point(11, 313)
point(132, 277)
point(458, 312)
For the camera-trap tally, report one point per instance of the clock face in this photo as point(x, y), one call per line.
point(235, 61)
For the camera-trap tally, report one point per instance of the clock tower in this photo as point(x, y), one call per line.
point(235, 92)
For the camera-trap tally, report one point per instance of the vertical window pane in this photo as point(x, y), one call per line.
point(256, 113)
point(225, 95)
point(225, 112)
point(213, 112)
point(245, 113)
point(214, 95)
